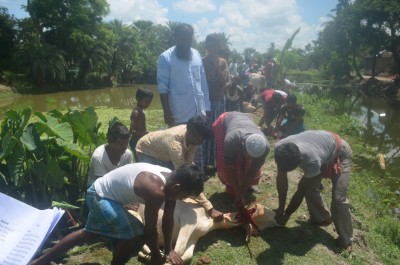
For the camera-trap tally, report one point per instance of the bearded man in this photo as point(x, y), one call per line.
point(181, 79)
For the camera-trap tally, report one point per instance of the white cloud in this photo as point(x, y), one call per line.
point(248, 23)
point(195, 6)
point(133, 10)
point(256, 24)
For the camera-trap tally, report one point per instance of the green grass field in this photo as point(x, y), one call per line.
point(299, 242)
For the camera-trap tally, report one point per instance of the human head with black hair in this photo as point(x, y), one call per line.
point(117, 131)
point(213, 44)
point(187, 180)
point(144, 96)
point(117, 138)
point(287, 156)
point(277, 99)
point(183, 39)
point(291, 99)
point(198, 130)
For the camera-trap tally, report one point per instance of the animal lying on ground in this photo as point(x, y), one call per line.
point(191, 222)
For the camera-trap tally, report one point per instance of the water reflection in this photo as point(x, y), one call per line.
point(115, 97)
point(380, 121)
point(379, 118)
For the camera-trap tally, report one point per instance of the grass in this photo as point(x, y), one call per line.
point(376, 233)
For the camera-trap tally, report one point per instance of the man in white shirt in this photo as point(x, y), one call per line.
point(113, 154)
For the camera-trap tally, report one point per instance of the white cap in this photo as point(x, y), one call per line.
point(255, 145)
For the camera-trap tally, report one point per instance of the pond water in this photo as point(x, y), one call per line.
point(115, 97)
point(381, 120)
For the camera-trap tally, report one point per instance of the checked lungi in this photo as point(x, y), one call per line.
point(109, 218)
point(242, 164)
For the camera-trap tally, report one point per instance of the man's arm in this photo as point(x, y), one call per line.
point(262, 121)
point(233, 180)
point(264, 116)
point(246, 183)
point(163, 81)
point(168, 117)
point(151, 188)
point(297, 196)
point(168, 224)
point(282, 187)
point(207, 205)
point(167, 228)
point(150, 229)
point(204, 88)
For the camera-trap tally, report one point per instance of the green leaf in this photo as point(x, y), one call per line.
point(50, 173)
point(16, 165)
point(56, 113)
point(31, 139)
point(7, 144)
point(41, 116)
point(52, 127)
point(3, 181)
point(17, 121)
point(84, 124)
point(64, 205)
point(56, 174)
point(40, 170)
point(73, 149)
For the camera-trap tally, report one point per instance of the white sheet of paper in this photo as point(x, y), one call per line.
point(23, 229)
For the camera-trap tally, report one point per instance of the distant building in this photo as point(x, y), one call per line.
point(384, 65)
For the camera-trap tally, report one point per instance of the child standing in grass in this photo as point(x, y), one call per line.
point(144, 97)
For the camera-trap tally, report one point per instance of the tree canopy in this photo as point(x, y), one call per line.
point(68, 45)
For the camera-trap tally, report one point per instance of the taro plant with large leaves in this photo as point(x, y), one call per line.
point(47, 159)
point(85, 127)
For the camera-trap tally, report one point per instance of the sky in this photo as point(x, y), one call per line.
point(247, 23)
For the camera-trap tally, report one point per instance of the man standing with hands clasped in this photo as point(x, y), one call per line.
point(181, 80)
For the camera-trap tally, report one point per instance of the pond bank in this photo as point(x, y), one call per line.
point(5, 89)
point(380, 87)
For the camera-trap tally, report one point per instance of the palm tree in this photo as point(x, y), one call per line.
point(45, 63)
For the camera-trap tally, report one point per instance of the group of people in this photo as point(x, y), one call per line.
point(169, 164)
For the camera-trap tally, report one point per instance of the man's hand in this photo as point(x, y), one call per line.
point(279, 211)
point(281, 219)
point(132, 206)
point(239, 202)
point(157, 258)
point(174, 258)
point(169, 120)
point(217, 216)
